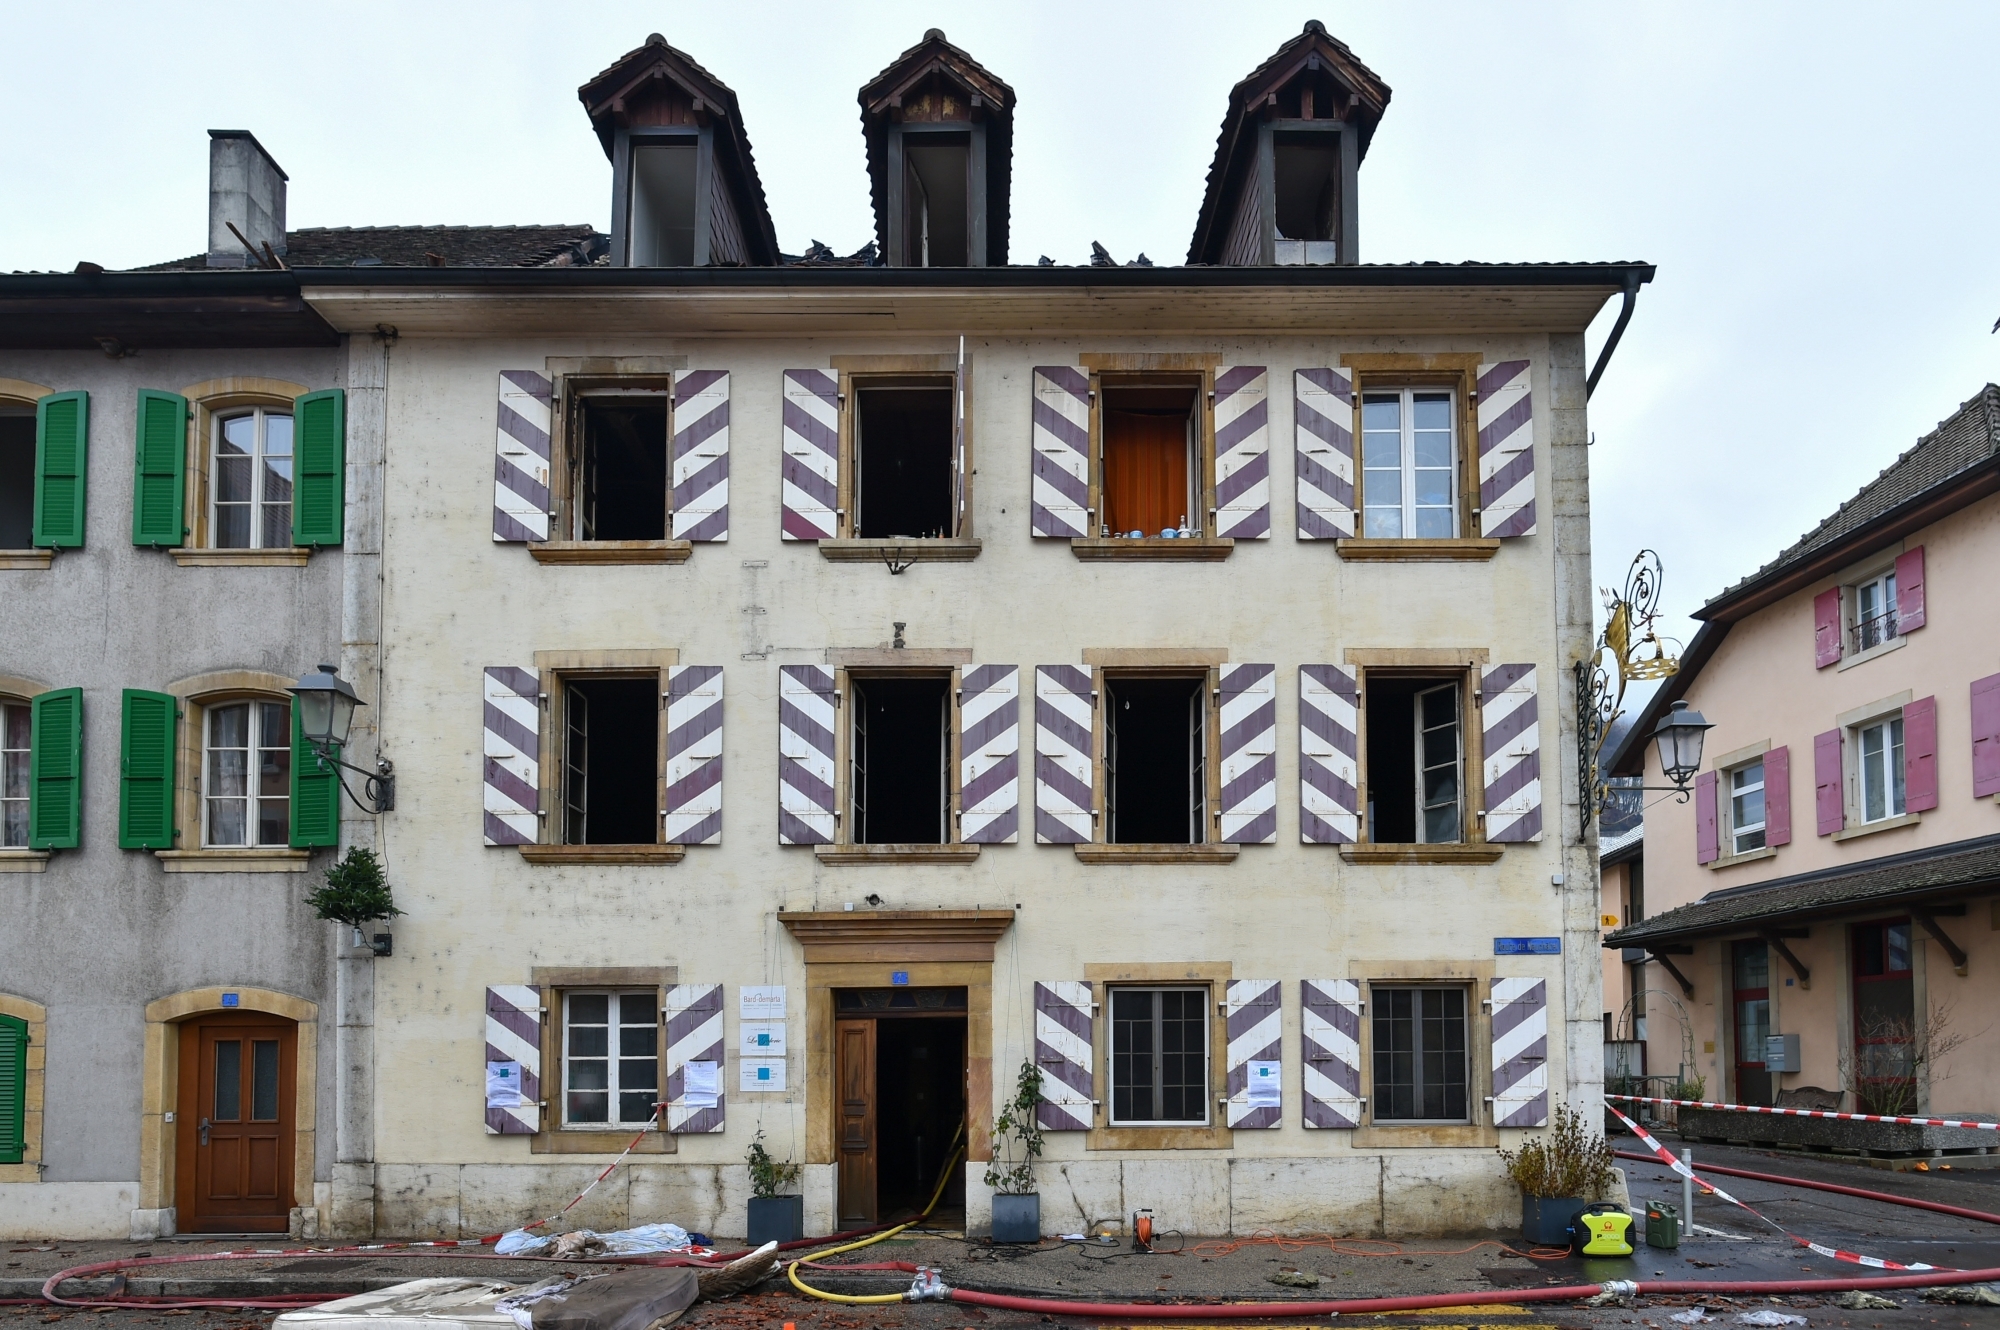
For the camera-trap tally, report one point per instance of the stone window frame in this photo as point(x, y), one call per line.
point(553, 982)
point(1476, 977)
point(194, 695)
point(15, 688)
point(208, 402)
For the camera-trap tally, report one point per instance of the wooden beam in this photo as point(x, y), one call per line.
point(1687, 989)
point(1775, 940)
point(1928, 919)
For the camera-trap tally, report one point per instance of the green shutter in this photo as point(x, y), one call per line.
point(146, 772)
point(315, 793)
point(62, 454)
point(319, 447)
point(55, 770)
point(13, 1088)
point(159, 488)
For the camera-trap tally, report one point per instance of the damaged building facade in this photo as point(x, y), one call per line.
point(821, 689)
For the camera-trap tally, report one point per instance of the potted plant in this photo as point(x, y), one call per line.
point(355, 893)
point(1558, 1173)
point(776, 1214)
point(1017, 1144)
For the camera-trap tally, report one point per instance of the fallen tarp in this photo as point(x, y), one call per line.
point(640, 1241)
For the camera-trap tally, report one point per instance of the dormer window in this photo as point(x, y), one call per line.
point(1306, 175)
point(938, 127)
point(938, 192)
point(660, 225)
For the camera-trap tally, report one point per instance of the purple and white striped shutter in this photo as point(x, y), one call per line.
point(1065, 717)
point(1063, 1054)
point(1059, 504)
point(701, 454)
point(694, 1034)
point(514, 1035)
point(1328, 795)
point(1330, 1037)
point(989, 755)
point(1323, 452)
point(805, 755)
point(1249, 754)
point(1520, 1053)
point(521, 464)
point(1242, 453)
point(694, 755)
point(1511, 719)
point(811, 463)
point(512, 755)
point(1254, 1014)
point(1506, 450)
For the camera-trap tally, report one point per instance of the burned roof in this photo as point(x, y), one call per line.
point(561, 246)
point(1938, 873)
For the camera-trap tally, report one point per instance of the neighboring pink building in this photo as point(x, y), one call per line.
point(1835, 874)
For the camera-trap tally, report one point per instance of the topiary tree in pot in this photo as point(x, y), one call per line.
point(1017, 1144)
point(356, 893)
point(1559, 1173)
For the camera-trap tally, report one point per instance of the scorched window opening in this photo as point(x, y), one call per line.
point(900, 788)
point(611, 761)
point(1155, 757)
point(904, 458)
point(618, 467)
point(1416, 760)
point(937, 190)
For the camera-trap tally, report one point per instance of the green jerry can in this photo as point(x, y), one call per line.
point(1603, 1229)
point(1663, 1225)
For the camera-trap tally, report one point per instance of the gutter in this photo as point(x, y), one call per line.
point(1632, 281)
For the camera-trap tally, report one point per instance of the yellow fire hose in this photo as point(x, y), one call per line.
point(944, 1178)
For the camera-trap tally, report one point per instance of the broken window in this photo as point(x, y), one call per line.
point(618, 467)
point(1152, 457)
point(1159, 1056)
point(1416, 760)
point(1306, 179)
point(17, 479)
point(899, 757)
point(662, 217)
point(611, 1060)
point(1409, 464)
point(1421, 1067)
point(610, 769)
point(904, 463)
point(936, 190)
point(1155, 761)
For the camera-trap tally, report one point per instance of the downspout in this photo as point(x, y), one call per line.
point(1617, 331)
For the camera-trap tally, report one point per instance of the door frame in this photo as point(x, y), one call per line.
point(160, 1084)
point(193, 1044)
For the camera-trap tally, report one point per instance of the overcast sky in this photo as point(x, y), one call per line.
point(1815, 182)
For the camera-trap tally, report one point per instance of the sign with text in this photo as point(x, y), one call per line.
point(1527, 946)
point(760, 1041)
point(760, 1002)
point(754, 1074)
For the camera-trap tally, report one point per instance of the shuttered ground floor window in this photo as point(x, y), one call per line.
point(1422, 1067)
point(611, 1057)
point(1159, 1056)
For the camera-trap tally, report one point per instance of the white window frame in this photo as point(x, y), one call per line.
point(19, 759)
point(612, 1057)
point(1407, 506)
point(1454, 688)
point(1204, 999)
point(256, 739)
point(1893, 775)
point(1731, 793)
point(260, 416)
point(1883, 584)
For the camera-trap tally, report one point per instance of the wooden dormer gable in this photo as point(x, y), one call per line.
point(675, 137)
point(1283, 185)
point(940, 133)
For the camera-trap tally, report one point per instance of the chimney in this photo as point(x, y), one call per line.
point(247, 188)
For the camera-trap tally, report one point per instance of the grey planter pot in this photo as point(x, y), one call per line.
point(1017, 1218)
point(776, 1219)
point(1546, 1219)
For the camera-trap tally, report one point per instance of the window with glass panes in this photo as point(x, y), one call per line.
point(1885, 1016)
point(1746, 808)
point(246, 783)
point(1879, 770)
point(611, 1058)
point(1421, 1068)
point(1409, 452)
point(251, 484)
point(1875, 612)
point(1439, 754)
point(1751, 976)
point(1159, 1056)
point(15, 729)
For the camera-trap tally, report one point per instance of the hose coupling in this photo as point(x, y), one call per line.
point(1620, 1288)
point(928, 1286)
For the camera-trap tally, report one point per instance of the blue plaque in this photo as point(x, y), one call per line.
point(1527, 946)
point(899, 976)
point(231, 999)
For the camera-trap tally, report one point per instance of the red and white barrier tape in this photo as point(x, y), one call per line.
point(1807, 1112)
point(1852, 1258)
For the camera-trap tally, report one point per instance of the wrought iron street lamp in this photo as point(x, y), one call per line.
point(1678, 738)
point(326, 715)
point(1635, 652)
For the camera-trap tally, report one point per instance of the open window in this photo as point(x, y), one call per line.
point(610, 770)
point(662, 213)
point(906, 436)
point(899, 757)
point(878, 458)
point(618, 465)
point(17, 477)
point(1151, 455)
point(1416, 758)
point(937, 199)
point(1156, 759)
point(1306, 192)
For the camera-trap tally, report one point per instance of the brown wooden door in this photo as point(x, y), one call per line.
point(854, 1043)
point(235, 1117)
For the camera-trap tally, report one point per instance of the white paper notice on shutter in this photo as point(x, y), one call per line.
point(760, 1074)
point(503, 1085)
point(760, 1041)
point(760, 1002)
point(703, 1084)
point(1264, 1089)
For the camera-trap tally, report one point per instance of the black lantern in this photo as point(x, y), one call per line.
point(1678, 738)
point(326, 715)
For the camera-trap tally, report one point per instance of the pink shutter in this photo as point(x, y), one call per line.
point(1910, 591)
point(1826, 628)
point(1707, 831)
point(1985, 736)
point(1826, 783)
point(1778, 797)
point(1920, 773)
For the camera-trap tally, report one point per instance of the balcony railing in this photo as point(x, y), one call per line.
point(1871, 633)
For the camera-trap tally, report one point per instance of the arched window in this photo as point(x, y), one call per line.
point(246, 773)
point(251, 491)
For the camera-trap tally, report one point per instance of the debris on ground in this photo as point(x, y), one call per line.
point(1979, 1295)
point(1861, 1300)
point(641, 1241)
point(1692, 1316)
point(1768, 1317)
point(1294, 1279)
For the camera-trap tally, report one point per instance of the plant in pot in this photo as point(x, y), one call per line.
point(1559, 1173)
point(355, 893)
point(1017, 1144)
point(776, 1213)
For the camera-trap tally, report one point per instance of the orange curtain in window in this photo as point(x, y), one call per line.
point(1145, 471)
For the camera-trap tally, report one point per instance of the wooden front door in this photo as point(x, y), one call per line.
point(854, 1043)
point(235, 1146)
